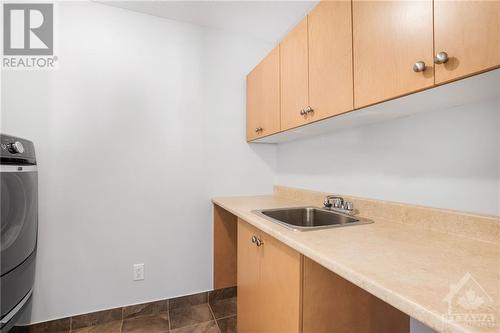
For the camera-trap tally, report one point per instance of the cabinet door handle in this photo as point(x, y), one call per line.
point(441, 58)
point(258, 129)
point(419, 66)
point(306, 111)
point(254, 239)
point(259, 242)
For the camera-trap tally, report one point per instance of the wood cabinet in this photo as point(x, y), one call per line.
point(269, 283)
point(294, 77)
point(249, 292)
point(389, 37)
point(469, 32)
point(346, 55)
point(263, 97)
point(330, 59)
point(316, 66)
point(280, 281)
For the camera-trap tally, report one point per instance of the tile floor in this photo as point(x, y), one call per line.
point(213, 312)
point(216, 317)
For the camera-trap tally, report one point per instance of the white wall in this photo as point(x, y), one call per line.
point(446, 159)
point(234, 167)
point(129, 136)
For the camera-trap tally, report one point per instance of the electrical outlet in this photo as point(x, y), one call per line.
point(138, 272)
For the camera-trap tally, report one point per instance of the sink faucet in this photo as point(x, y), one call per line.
point(337, 203)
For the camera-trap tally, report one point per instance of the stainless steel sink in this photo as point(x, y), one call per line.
point(310, 218)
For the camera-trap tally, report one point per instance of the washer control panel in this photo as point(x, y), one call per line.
point(16, 150)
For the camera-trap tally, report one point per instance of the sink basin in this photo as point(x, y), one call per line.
point(310, 218)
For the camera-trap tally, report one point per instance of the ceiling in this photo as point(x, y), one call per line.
point(267, 21)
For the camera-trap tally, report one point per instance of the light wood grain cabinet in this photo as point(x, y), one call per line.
point(389, 37)
point(330, 59)
point(263, 97)
point(248, 282)
point(469, 33)
point(294, 77)
point(269, 283)
point(316, 66)
point(347, 55)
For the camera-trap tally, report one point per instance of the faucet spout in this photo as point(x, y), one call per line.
point(333, 201)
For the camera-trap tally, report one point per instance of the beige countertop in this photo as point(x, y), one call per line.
point(409, 267)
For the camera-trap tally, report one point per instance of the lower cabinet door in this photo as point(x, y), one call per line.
point(269, 284)
point(248, 276)
point(280, 287)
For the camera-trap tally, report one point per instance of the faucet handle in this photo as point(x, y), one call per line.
point(327, 203)
point(338, 203)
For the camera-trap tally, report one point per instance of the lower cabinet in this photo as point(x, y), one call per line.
point(282, 291)
point(269, 283)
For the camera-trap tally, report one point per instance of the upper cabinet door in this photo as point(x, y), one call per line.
point(263, 97)
point(469, 33)
point(294, 77)
point(330, 59)
point(389, 38)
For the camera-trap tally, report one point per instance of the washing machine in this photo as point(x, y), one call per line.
point(19, 226)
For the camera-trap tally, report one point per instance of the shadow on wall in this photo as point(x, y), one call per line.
point(435, 158)
point(266, 152)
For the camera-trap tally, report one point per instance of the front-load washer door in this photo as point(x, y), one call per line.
point(19, 214)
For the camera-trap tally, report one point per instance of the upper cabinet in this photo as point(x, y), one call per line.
point(347, 55)
point(263, 97)
point(316, 66)
point(468, 32)
point(393, 49)
point(294, 77)
point(330, 59)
